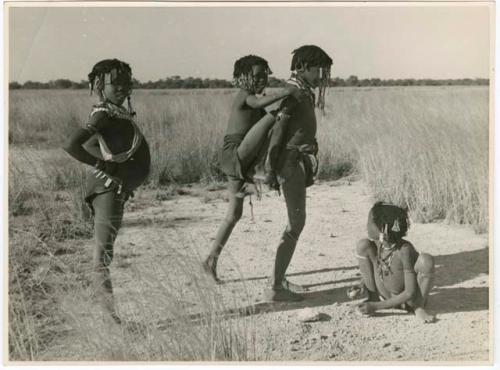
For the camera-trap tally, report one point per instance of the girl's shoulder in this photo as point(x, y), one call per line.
point(99, 107)
point(104, 109)
point(407, 250)
point(406, 244)
point(104, 114)
point(241, 96)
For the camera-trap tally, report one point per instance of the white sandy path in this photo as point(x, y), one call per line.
point(323, 261)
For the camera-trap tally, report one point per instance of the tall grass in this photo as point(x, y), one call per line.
point(45, 211)
point(32, 308)
point(184, 128)
point(425, 148)
point(186, 135)
point(169, 313)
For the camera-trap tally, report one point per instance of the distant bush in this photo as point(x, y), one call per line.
point(177, 82)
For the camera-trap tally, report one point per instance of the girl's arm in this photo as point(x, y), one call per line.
point(75, 146)
point(262, 102)
point(92, 146)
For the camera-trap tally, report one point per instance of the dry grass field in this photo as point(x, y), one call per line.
point(424, 147)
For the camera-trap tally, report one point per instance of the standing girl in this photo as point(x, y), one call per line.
point(114, 146)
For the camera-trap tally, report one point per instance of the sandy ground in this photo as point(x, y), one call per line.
point(324, 262)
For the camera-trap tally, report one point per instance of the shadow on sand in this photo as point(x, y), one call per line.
point(459, 267)
point(301, 273)
point(451, 300)
point(450, 270)
point(456, 268)
point(311, 299)
point(164, 222)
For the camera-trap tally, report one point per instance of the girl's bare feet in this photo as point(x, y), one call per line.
point(423, 316)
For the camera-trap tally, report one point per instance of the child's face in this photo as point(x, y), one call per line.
point(314, 75)
point(116, 93)
point(116, 90)
point(259, 78)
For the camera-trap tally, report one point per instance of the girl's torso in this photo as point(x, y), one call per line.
point(393, 281)
point(301, 129)
point(118, 132)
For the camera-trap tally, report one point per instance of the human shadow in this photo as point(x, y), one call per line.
point(459, 267)
point(451, 300)
point(330, 282)
point(311, 299)
point(300, 273)
point(456, 268)
point(166, 222)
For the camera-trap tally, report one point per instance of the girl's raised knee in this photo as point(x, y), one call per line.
point(363, 247)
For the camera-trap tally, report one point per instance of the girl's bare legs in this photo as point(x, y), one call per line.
point(424, 267)
point(366, 252)
point(254, 140)
point(248, 151)
point(233, 215)
point(107, 221)
point(294, 191)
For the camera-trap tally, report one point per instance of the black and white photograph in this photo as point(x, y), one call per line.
point(249, 183)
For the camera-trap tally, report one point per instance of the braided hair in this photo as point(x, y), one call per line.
point(313, 56)
point(242, 74)
point(388, 219)
point(117, 69)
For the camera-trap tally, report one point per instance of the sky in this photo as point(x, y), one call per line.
point(384, 41)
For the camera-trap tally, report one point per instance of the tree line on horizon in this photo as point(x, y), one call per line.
point(177, 82)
